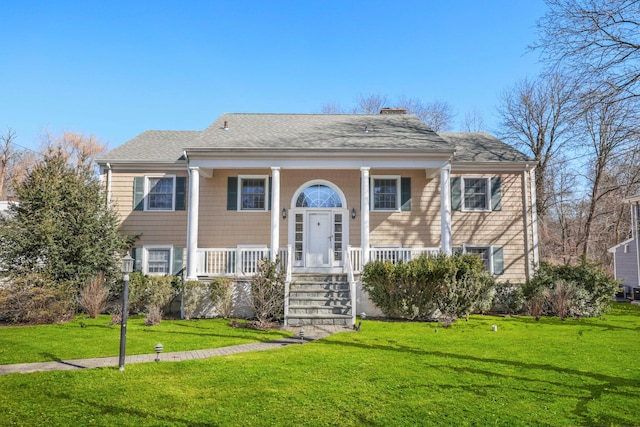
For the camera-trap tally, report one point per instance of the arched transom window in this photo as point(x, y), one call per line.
point(318, 196)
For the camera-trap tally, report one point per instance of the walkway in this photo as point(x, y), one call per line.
point(311, 333)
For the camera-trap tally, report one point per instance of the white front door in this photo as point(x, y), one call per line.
point(318, 239)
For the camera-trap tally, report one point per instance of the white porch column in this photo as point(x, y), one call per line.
point(192, 224)
point(275, 212)
point(364, 213)
point(445, 209)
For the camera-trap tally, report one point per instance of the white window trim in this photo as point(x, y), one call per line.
point(372, 191)
point(145, 259)
point(488, 196)
point(266, 192)
point(146, 193)
point(483, 246)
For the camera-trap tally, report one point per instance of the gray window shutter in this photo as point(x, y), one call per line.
point(498, 261)
point(405, 194)
point(496, 194)
point(138, 193)
point(232, 193)
point(181, 193)
point(136, 253)
point(270, 192)
point(456, 193)
point(178, 261)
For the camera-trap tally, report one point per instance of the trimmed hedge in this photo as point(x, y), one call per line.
point(455, 285)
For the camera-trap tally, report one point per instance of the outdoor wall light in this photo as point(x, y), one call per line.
point(284, 213)
point(353, 213)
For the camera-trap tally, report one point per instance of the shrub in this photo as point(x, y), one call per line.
point(154, 315)
point(221, 294)
point(508, 298)
point(193, 293)
point(137, 291)
point(456, 285)
point(267, 292)
point(33, 298)
point(94, 296)
point(587, 286)
point(149, 290)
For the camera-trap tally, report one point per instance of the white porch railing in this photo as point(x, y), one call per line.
point(237, 261)
point(244, 261)
point(393, 255)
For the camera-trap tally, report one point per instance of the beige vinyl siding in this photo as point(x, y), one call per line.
point(220, 228)
point(153, 227)
point(503, 228)
point(419, 227)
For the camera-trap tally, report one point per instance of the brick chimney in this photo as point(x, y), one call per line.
point(393, 111)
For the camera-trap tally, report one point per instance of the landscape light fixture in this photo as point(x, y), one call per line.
point(158, 349)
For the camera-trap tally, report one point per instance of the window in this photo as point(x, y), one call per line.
point(385, 193)
point(159, 261)
point(491, 256)
point(160, 194)
point(318, 196)
point(483, 252)
point(253, 193)
point(476, 194)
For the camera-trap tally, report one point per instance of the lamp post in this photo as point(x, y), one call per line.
point(127, 267)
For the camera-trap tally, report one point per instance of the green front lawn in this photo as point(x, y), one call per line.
point(85, 337)
point(574, 372)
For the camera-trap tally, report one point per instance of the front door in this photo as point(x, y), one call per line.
point(319, 238)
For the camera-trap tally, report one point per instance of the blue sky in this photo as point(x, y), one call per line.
point(117, 68)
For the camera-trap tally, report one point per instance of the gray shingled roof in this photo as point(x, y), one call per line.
point(325, 131)
point(313, 131)
point(482, 147)
point(153, 146)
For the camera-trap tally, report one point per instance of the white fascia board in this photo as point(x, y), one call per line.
point(612, 249)
point(129, 165)
point(491, 167)
point(325, 160)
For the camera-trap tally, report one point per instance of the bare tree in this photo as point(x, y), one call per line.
point(473, 122)
point(332, 107)
point(7, 153)
point(80, 150)
point(370, 104)
point(610, 126)
point(598, 40)
point(536, 116)
point(438, 115)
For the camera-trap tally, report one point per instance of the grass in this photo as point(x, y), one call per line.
point(86, 338)
point(548, 373)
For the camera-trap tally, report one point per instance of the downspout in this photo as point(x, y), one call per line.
point(108, 185)
point(525, 213)
point(534, 218)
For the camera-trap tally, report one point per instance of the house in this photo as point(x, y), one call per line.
point(325, 194)
point(626, 255)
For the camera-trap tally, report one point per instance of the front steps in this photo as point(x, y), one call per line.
point(319, 299)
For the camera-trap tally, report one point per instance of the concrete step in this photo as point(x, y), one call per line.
point(295, 300)
point(319, 285)
point(334, 319)
point(294, 311)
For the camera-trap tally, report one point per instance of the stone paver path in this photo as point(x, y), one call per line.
point(311, 333)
